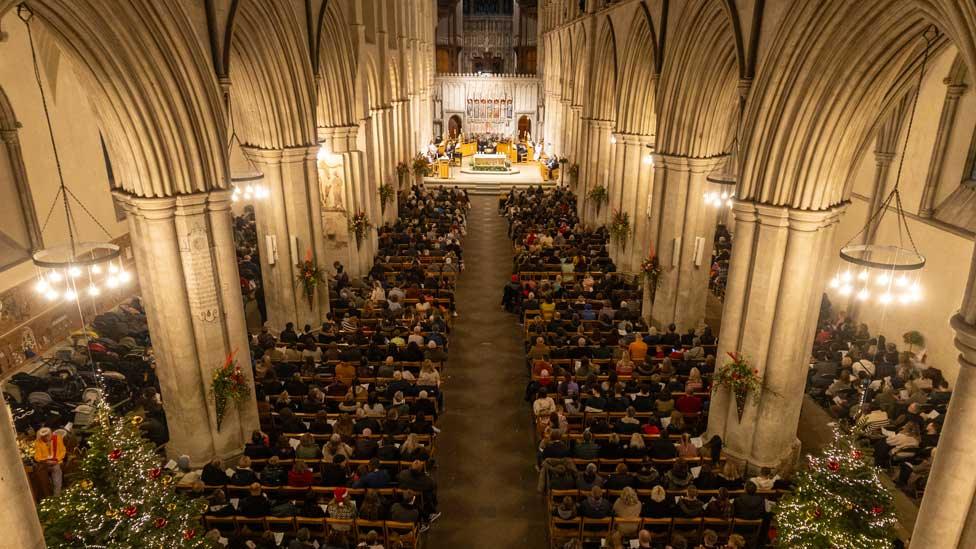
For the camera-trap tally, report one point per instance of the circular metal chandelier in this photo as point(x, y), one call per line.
point(70, 269)
point(890, 272)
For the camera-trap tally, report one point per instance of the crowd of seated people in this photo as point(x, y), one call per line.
point(248, 259)
point(618, 406)
point(348, 409)
point(894, 397)
point(718, 275)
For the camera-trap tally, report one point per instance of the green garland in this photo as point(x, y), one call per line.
point(620, 228)
point(359, 225)
point(120, 497)
point(309, 277)
point(229, 386)
point(420, 166)
point(387, 193)
point(599, 196)
point(741, 379)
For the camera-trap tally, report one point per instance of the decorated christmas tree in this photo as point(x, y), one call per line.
point(120, 497)
point(839, 502)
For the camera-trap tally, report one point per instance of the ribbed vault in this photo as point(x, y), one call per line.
point(635, 101)
point(152, 87)
point(337, 62)
point(697, 89)
point(821, 92)
point(601, 102)
point(271, 76)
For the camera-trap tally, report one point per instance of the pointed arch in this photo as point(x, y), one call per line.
point(271, 76)
point(697, 94)
point(152, 87)
point(337, 70)
point(602, 100)
point(635, 97)
point(833, 71)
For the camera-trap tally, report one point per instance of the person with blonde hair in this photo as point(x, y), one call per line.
point(627, 506)
point(695, 382)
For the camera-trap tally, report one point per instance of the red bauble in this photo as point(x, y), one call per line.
point(160, 522)
point(189, 533)
point(833, 465)
point(877, 510)
point(155, 473)
point(857, 454)
point(130, 511)
point(69, 536)
point(817, 512)
point(115, 454)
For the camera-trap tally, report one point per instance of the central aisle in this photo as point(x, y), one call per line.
point(486, 478)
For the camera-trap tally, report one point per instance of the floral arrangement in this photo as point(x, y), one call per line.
point(740, 378)
point(651, 268)
point(229, 386)
point(913, 339)
point(359, 225)
point(309, 277)
point(420, 166)
point(402, 169)
point(599, 196)
point(620, 228)
point(573, 170)
point(387, 193)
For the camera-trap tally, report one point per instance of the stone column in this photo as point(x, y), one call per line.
point(595, 170)
point(292, 215)
point(16, 502)
point(947, 121)
point(947, 516)
point(682, 228)
point(340, 245)
point(185, 259)
point(575, 124)
point(776, 278)
point(632, 184)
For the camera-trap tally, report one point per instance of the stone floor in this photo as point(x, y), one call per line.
point(486, 479)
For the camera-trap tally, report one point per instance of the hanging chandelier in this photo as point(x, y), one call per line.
point(889, 272)
point(724, 176)
point(245, 177)
point(73, 268)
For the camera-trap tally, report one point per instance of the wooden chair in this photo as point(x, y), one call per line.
point(749, 529)
point(405, 531)
point(226, 525)
point(660, 529)
point(689, 528)
point(563, 530)
point(284, 525)
point(596, 528)
point(316, 526)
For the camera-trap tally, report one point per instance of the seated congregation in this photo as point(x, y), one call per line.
point(895, 398)
point(618, 407)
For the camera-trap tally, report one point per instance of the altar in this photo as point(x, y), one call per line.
point(490, 162)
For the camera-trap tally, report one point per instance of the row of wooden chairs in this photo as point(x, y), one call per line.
point(390, 533)
point(662, 530)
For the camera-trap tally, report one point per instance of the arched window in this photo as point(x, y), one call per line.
point(20, 233)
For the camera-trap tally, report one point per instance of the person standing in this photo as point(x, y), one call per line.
point(49, 454)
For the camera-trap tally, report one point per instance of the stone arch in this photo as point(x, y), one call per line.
point(696, 94)
point(271, 75)
point(635, 99)
point(152, 88)
point(602, 100)
point(577, 67)
point(847, 63)
point(336, 70)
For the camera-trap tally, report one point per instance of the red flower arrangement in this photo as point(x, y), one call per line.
point(229, 385)
point(309, 277)
point(739, 377)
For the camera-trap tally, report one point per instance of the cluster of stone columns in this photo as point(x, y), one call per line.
point(187, 268)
